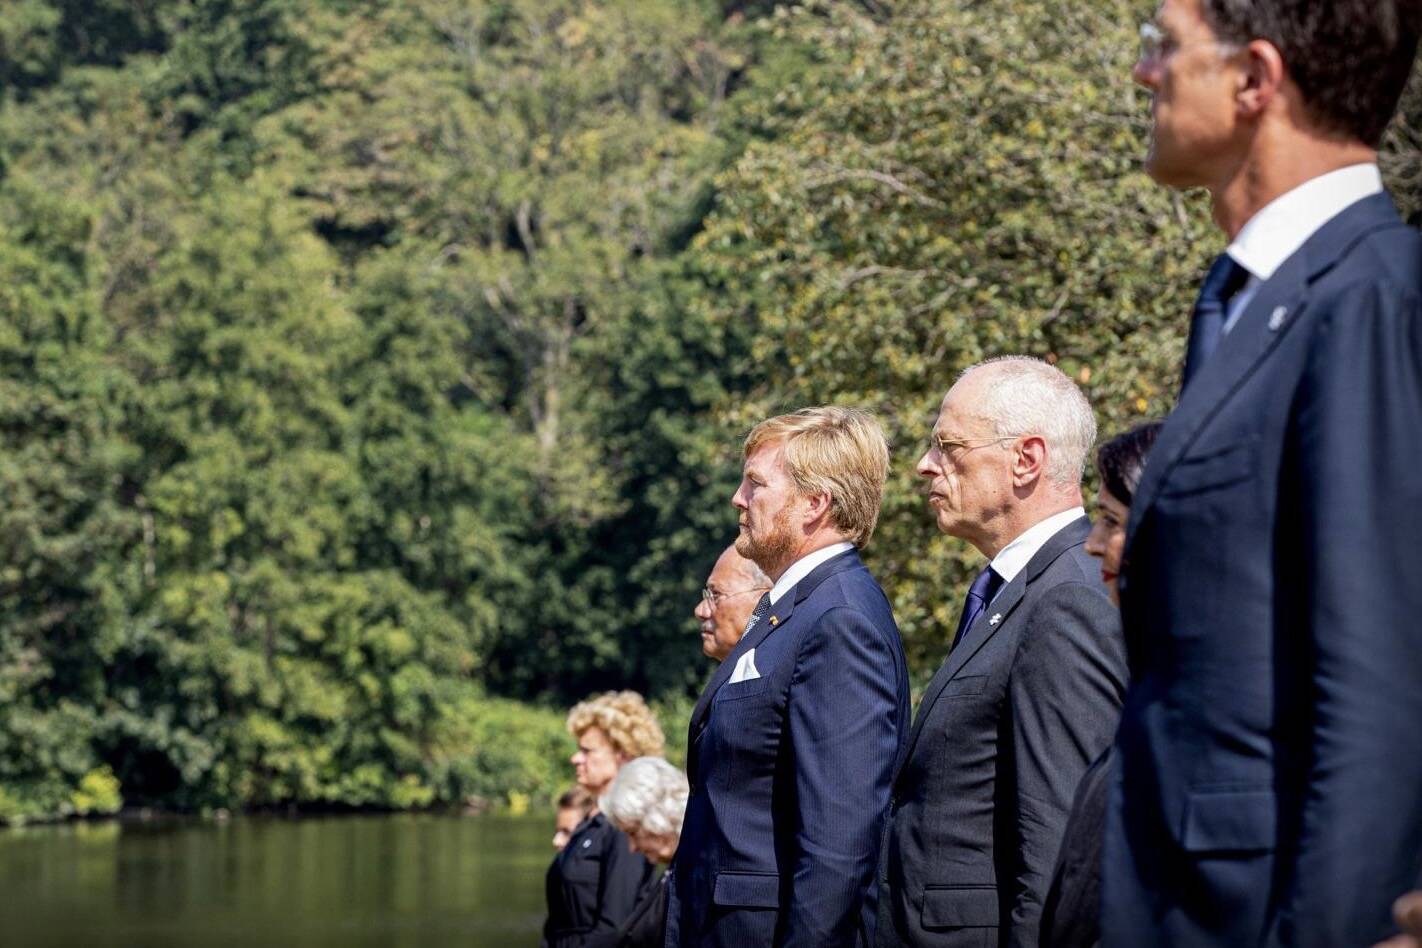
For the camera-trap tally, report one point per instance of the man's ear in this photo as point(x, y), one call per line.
point(1261, 78)
point(817, 508)
point(1029, 460)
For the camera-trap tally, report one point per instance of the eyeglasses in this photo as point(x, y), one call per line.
point(1156, 44)
point(712, 597)
point(945, 445)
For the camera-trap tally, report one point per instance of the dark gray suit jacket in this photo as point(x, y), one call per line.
point(1024, 703)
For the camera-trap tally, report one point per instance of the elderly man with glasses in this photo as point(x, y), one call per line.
point(729, 597)
point(1031, 689)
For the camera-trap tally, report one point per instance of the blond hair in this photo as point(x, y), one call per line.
point(626, 720)
point(833, 450)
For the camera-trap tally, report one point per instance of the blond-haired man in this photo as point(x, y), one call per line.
point(794, 742)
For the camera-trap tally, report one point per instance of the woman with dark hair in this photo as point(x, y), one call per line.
point(1071, 915)
point(574, 806)
point(1119, 463)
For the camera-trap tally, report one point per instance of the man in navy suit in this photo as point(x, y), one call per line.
point(1031, 691)
point(795, 739)
point(1268, 787)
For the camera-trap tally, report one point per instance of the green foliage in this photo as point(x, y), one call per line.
point(313, 316)
point(957, 184)
point(951, 183)
point(372, 376)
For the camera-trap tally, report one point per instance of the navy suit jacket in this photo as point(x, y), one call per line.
point(790, 773)
point(1268, 783)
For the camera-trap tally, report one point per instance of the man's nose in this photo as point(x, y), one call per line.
point(1145, 73)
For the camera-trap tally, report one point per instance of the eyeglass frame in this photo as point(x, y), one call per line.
point(711, 597)
point(944, 445)
point(1156, 44)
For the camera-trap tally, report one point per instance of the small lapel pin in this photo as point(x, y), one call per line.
point(996, 618)
point(774, 620)
point(1276, 318)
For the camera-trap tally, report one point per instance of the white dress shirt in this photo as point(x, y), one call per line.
point(1282, 226)
point(1013, 558)
point(802, 567)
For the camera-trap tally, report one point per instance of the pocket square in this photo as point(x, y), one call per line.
point(745, 669)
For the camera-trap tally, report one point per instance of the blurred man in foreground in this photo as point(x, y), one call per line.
point(1269, 780)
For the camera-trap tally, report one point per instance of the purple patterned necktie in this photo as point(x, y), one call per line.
point(979, 595)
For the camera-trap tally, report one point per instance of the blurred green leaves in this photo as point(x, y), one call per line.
point(372, 376)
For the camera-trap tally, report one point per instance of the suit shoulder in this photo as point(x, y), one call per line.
point(1075, 565)
point(1389, 259)
point(854, 588)
point(854, 601)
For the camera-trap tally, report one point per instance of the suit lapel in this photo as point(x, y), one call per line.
point(779, 613)
point(1265, 322)
point(995, 617)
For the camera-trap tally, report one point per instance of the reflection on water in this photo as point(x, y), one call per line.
point(348, 881)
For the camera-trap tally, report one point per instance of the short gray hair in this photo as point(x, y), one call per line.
point(1026, 396)
point(647, 793)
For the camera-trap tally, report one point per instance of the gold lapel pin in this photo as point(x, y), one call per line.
point(774, 620)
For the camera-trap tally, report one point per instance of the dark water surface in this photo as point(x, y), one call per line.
point(404, 880)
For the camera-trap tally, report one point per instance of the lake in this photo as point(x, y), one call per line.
point(390, 880)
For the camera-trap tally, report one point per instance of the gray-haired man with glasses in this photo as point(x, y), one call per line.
point(727, 600)
point(1031, 687)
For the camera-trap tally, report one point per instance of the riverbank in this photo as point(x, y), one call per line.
point(510, 757)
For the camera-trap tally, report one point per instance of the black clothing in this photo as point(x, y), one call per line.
point(646, 927)
point(593, 886)
point(1071, 916)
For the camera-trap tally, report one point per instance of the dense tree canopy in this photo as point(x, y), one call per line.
point(374, 374)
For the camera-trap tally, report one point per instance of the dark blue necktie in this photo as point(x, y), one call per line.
point(1226, 278)
point(979, 595)
point(761, 608)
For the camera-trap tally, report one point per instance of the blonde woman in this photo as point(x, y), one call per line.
point(596, 880)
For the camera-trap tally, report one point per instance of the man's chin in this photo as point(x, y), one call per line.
point(751, 550)
point(1167, 173)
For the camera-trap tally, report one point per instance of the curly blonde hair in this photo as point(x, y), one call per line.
point(626, 720)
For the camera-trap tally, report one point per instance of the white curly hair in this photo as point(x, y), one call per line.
point(648, 794)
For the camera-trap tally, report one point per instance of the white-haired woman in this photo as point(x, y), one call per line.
point(647, 800)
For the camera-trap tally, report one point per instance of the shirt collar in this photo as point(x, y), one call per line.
point(1284, 224)
point(1014, 557)
point(801, 568)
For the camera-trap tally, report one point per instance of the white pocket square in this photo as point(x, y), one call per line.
point(745, 669)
